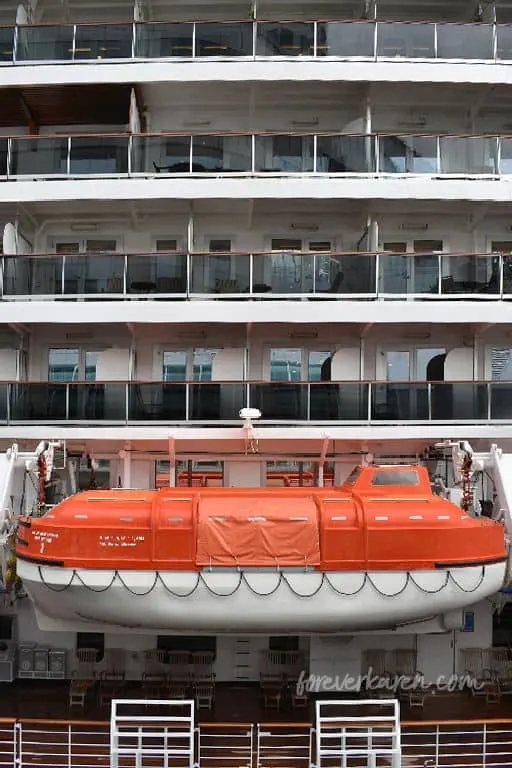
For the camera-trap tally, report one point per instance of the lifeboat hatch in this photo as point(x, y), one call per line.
point(257, 532)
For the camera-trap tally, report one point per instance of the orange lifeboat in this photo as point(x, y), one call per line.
point(379, 551)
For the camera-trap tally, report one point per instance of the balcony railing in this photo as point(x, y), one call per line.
point(259, 39)
point(78, 743)
point(365, 402)
point(245, 154)
point(266, 276)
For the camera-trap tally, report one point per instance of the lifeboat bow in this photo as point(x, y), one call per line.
point(380, 551)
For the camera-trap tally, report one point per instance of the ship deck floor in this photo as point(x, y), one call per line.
point(234, 703)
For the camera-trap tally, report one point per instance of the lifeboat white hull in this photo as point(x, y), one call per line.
point(252, 601)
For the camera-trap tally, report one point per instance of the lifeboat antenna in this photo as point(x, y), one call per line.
point(247, 415)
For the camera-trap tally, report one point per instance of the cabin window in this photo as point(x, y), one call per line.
point(284, 643)
point(190, 474)
point(91, 640)
point(6, 628)
point(192, 643)
point(401, 477)
point(351, 479)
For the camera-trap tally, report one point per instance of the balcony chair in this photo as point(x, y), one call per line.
point(204, 695)
point(154, 677)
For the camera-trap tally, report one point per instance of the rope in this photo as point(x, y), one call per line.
point(367, 579)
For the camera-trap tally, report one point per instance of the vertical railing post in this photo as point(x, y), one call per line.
point(439, 273)
point(489, 401)
point(429, 397)
point(125, 275)
point(437, 747)
point(67, 401)
point(315, 38)
point(9, 395)
point(484, 746)
point(70, 751)
point(68, 158)
point(15, 38)
point(73, 44)
point(18, 744)
point(258, 737)
point(63, 276)
point(9, 157)
point(501, 268)
point(187, 401)
point(194, 53)
point(370, 395)
point(127, 386)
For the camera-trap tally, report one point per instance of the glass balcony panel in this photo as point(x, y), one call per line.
point(280, 401)
point(32, 275)
point(400, 401)
point(4, 145)
point(345, 154)
point(469, 154)
point(214, 401)
point(94, 274)
point(6, 43)
point(408, 273)
point(220, 273)
point(221, 154)
point(283, 273)
point(505, 156)
point(504, 41)
point(284, 154)
point(347, 273)
point(38, 402)
point(103, 41)
point(157, 402)
point(39, 156)
point(4, 398)
point(501, 400)
point(403, 40)
point(346, 401)
point(157, 273)
point(95, 401)
point(459, 401)
point(507, 275)
point(346, 39)
point(224, 39)
point(46, 43)
point(470, 274)
point(159, 41)
point(465, 41)
point(285, 38)
point(161, 154)
point(408, 154)
point(99, 155)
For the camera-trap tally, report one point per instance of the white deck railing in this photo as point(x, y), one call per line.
point(78, 743)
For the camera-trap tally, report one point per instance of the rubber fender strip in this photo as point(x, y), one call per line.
point(40, 560)
point(472, 563)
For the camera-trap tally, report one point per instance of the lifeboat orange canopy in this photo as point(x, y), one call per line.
point(381, 518)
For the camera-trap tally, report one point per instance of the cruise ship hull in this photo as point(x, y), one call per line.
point(238, 602)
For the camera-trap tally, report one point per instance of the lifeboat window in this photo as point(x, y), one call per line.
point(351, 479)
point(402, 477)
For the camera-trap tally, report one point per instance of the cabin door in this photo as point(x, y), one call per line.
point(436, 657)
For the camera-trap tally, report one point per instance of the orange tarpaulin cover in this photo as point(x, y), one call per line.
point(257, 532)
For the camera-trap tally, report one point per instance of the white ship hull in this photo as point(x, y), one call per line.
point(251, 602)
